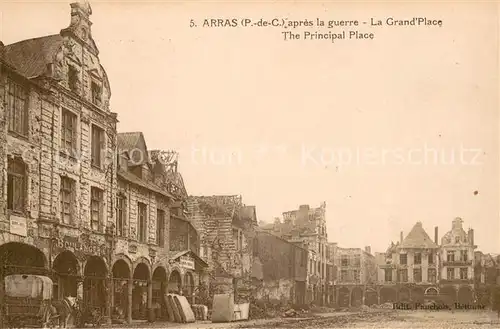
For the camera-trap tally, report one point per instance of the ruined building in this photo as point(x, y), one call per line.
point(280, 270)
point(356, 277)
point(307, 227)
point(486, 277)
point(57, 140)
point(457, 266)
point(226, 228)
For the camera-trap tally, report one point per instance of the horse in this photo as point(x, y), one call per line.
point(66, 308)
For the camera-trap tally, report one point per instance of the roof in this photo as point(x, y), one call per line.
point(31, 57)
point(131, 178)
point(133, 141)
point(177, 254)
point(418, 239)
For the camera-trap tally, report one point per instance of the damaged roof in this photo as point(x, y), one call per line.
point(31, 57)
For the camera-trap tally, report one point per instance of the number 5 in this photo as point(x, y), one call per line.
point(192, 24)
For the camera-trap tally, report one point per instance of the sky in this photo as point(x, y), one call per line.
point(390, 131)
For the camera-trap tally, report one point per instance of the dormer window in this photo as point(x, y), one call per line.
point(72, 78)
point(96, 93)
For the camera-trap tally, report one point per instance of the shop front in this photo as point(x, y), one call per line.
point(187, 275)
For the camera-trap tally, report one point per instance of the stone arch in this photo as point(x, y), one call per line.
point(465, 295)
point(417, 295)
point(145, 262)
point(124, 258)
point(122, 273)
point(94, 283)
point(159, 282)
point(371, 297)
point(141, 279)
point(388, 295)
point(357, 296)
point(189, 284)
point(66, 268)
point(18, 257)
point(431, 291)
point(344, 297)
point(404, 295)
point(175, 281)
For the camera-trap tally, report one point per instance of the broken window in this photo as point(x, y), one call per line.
point(343, 275)
point(403, 259)
point(142, 208)
point(68, 132)
point(96, 203)
point(417, 258)
point(344, 261)
point(67, 196)
point(73, 78)
point(357, 260)
point(450, 256)
point(464, 273)
point(160, 227)
point(17, 107)
point(430, 258)
point(96, 93)
point(355, 275)
point(16, 186)
point(403, 275)
point(417, 275)
point(450, 273)
point(388, 275)
point(431, 275)
point(97, 145)
point(121, 202)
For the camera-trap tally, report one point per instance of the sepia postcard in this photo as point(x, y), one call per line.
point(249, 164)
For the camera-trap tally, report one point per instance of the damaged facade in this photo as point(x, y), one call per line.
point(59, 184)
point(226, 228)
point(486, 276)
point(357, 275)
point(307, 228)
point(280, 270)
point(90, 208)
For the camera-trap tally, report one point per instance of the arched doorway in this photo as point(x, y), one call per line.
point(94, 284)
point(387, 295)
point(404, 295)
point(188, 287)
point(66, 273)
point(356, 297)
point(121, 278)
point(417, 295)
point(465, 295)
point(21, 258)
point(174, 282)
point(343, 300)
point(140, 292)
point(159, 282)
point(371, 297)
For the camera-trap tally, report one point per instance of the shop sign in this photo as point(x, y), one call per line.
point(89, 247)
point(186, 262)
point(18, 225)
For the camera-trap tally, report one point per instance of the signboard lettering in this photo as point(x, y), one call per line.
point(186, 262)
point(18, 226)
point(89, 248)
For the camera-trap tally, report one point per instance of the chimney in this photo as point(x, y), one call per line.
point(436, 238)
point(368, 249)
point(471, 236)
point(401, 237)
